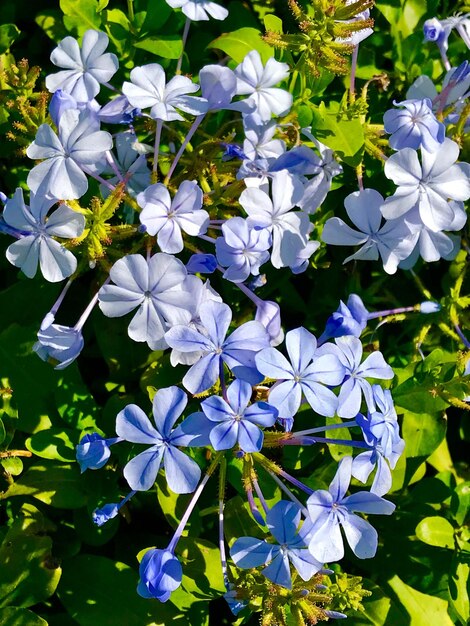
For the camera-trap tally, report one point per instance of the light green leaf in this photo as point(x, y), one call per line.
point(459, 587)
point(53, 443)
point(423, 610)
point(238, 43)
point(13, 616)
point(273, 23)
point(29, 573)
point(165, 46)
point(51, 23)
point(436, 531)
point(8, 35)
point(81, 15)
point(345, 137)
point(12, 465)
point(96, 590)
point(58, 485)
point(422, 433)
point(202, 572)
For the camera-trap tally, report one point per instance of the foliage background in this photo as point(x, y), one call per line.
point(57, 568)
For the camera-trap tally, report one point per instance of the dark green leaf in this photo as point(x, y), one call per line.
point(96, 590)
point(8, 34)
point(54, 443)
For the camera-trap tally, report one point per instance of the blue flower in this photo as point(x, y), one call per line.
point(414, 126)
point(330, 510)
point(59, 344)
point(93, 451)
point(237, 351)
point(201, 264)
point(282, 520)
point(238, 422)
point(348, 319)
point(348, 349)
point(182, 473)
point(242, 249)
point(304, 374)
point(160, 574)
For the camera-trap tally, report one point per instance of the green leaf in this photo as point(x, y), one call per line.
point(339, 451)
point(81, 15)
point(158, 12)
point(165, 46)
point(422, 608)
point(12, 616)
point(379, 609)
point(238, 43)
point(436, 531)
point(8, 34)
point(460, 502)
point(345, 137)
point(273, 23)
point(96, 590)
point(238, 521)
point(459, 587)
point(173, 507)
point(50, 20)
point(74, 402)
point(29, 573)
point(422, 433)
point(60, 486)
point(53, 443)
point(202, 572)
point(12, 465)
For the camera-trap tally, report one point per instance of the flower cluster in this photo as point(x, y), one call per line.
point(159, 230)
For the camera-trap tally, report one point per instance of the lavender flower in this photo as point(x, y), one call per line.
point(415, 126)
point(160, 574)
point(85, 68)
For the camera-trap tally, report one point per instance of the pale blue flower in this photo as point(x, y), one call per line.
point(289, 228)
point(257, 81)
point(236, 420)
point(414, 126)
point(237, 351)
point(93, 451)
point(132, 424)
point(166, 218)
point(305, 374)
point(199, 10)
point(393, 242)
point(35, 245)
point(242, 250)
point(148, 89)
point(428, 185)
point(79, 145)
point(85, 68)
point(283, 520)
point(348, 349)
point(59, 344)
point(330, 510)
point(155, 287)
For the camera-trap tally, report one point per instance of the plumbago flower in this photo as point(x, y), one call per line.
point(35, 232)
point(199, 10)
point(330, 510)
point(393, 242)
point(155, 286)
point(414, 126)
point(148, 88)
point(237, 351)
point(181, 471)
point(236, 422)
point(283, 521)
point(307, 374)
point(258, 83)
point(242, 249)
point(428, 185)
point(348, 349)
point(80, 146)
point(85, 68)
point(289, 229)
point(166, 218)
